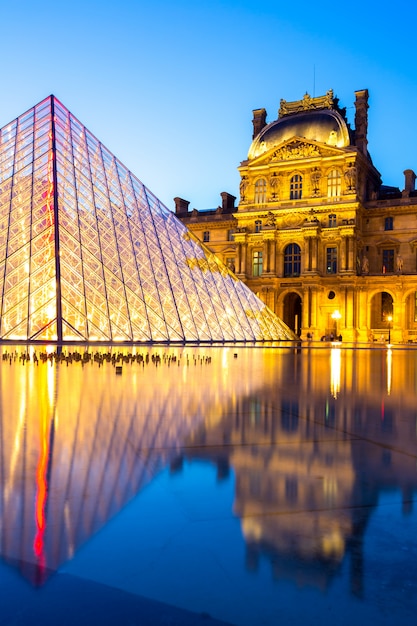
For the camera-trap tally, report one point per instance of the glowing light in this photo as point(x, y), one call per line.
point(335, 367)
point(389, 320)
point(389, 371)
point(336, 316)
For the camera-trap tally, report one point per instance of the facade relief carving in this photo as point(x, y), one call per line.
point(293, 220)
point(296, 150)
point(270, 219)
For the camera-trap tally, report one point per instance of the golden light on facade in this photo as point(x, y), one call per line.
point(389, 320)
point(336, 316)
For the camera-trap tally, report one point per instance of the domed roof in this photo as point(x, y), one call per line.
point(323, 125)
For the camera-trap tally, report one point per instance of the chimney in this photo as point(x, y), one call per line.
point(258, 121)
point(228, 201)
point(181, 206)
point(361, 121)
point(410, 182)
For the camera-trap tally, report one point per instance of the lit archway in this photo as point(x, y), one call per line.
point(382, 308)
point(293, 312)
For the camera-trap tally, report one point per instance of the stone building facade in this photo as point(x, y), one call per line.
point(316, 234)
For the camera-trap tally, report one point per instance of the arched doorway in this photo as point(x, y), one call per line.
point(292, 312)
point(382, 310)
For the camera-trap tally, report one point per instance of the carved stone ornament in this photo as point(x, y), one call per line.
point(306, 104)
point(350, 177)
point(297, 150)
point(243, 186)
point(315, 181)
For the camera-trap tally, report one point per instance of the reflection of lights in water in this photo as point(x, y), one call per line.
point(389, 370)
point(46, 404)
point(335, 366)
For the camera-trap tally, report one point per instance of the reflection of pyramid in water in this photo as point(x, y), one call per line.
point(88, 253)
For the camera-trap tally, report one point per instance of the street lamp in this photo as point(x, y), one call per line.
point(389, 318)
point(336, 315)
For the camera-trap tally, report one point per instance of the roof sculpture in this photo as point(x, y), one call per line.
point(88, 253)
point(318, 119)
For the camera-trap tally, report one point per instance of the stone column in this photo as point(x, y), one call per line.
point(314, 243)
point(313, 308)
point(273, 255)
point(266, 248)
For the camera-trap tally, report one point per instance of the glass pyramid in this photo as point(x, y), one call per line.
point(88, 253)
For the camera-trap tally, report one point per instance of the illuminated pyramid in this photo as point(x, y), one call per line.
point(88, 253)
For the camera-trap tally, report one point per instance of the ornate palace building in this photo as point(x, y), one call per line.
point(316, 234)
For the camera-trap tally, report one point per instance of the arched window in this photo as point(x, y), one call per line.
point(260, 191)
point(334, 184)
point(257, 264)
point(296, 187)
point(292, 260)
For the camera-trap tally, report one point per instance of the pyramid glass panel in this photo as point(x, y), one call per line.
point(88, 253)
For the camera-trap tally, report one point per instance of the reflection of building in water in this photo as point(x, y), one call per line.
point(77, 443)
point(309, 467)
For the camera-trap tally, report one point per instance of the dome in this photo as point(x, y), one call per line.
point(324, 126)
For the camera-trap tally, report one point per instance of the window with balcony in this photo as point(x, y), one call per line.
point(388, 261)
point(331, 260)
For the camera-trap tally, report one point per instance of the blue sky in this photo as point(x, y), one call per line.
point(169, 87)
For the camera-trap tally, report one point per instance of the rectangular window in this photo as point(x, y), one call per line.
point(206, 236)
point(257, 263)
point(296, 187)
point(230, 233)
point(389, 223)
point(387, 261)
point(415, 308)
point(331, 260)
point(332, 220)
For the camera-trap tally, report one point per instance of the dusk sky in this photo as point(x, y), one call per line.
point(169, 87)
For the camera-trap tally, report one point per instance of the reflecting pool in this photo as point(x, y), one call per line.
point(248, 486)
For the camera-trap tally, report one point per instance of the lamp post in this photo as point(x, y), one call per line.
point(336, 315)
point(389, 318)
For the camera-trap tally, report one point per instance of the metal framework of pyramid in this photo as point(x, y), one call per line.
point(88, 253)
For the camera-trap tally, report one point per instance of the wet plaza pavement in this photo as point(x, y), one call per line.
point(247, 486)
